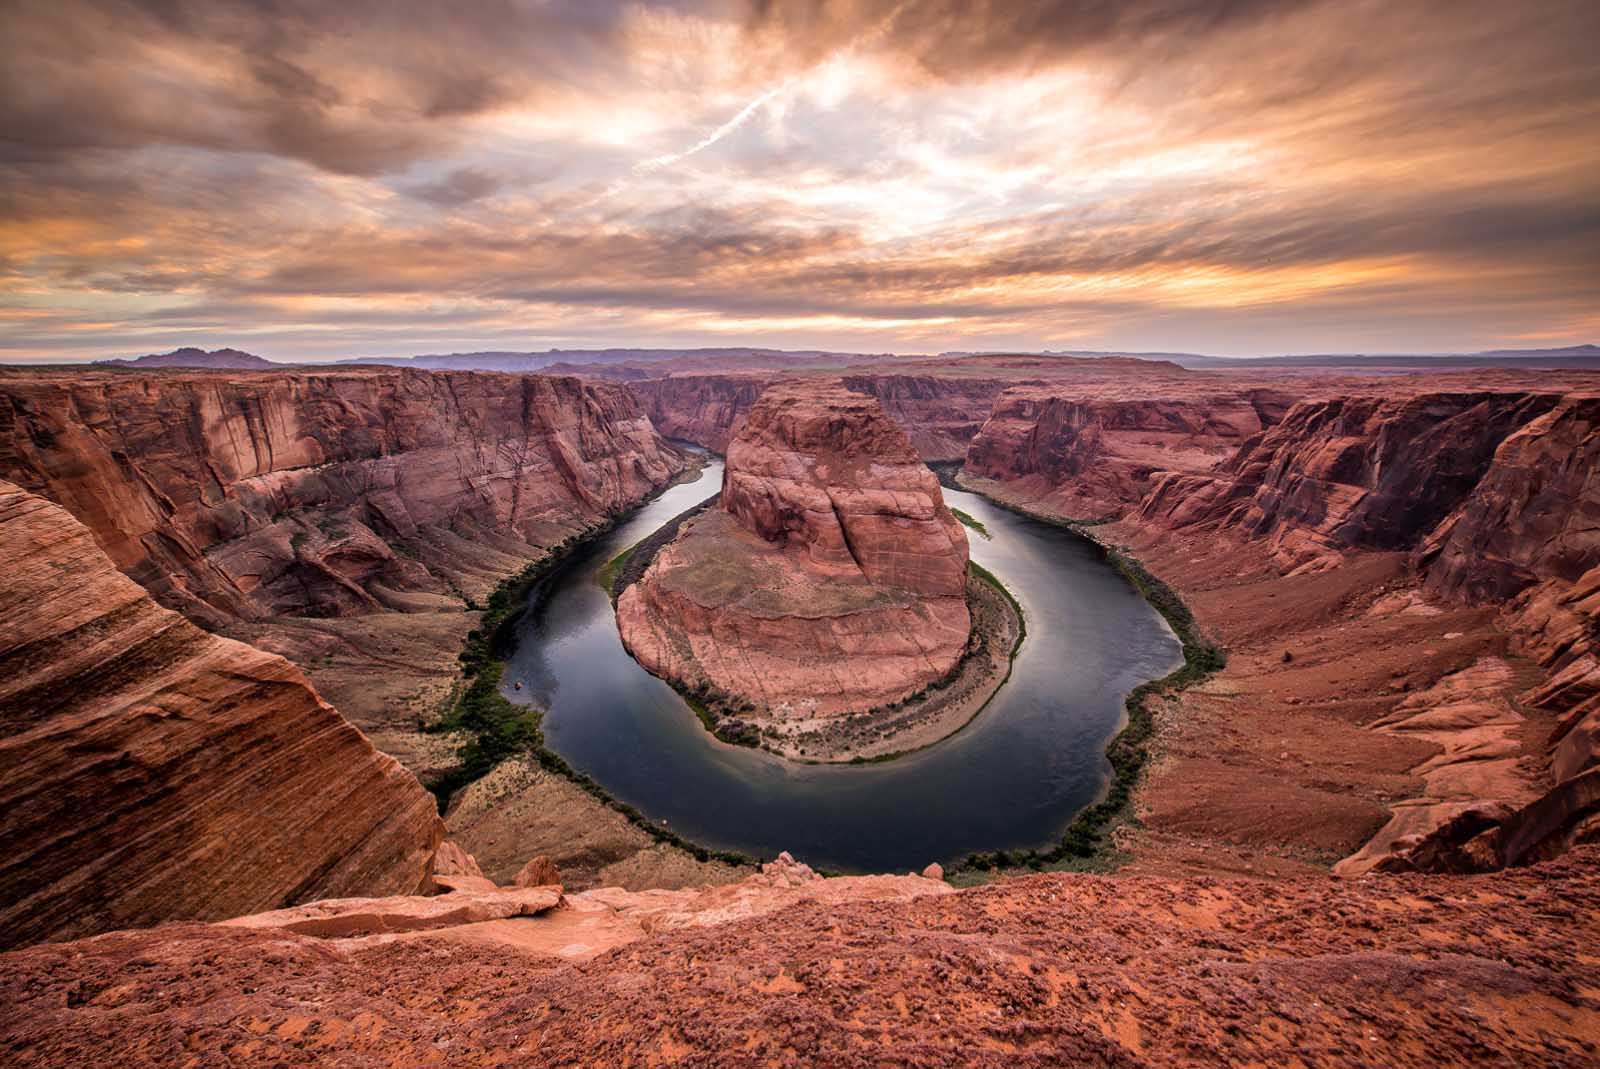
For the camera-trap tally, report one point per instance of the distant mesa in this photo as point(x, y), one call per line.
point(830, 578)
point(189, 356)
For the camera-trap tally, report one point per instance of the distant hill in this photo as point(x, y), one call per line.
point(1570, 356)
point(590, 359)
point(189, 356)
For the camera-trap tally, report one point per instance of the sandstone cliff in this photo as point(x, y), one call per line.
point(1088, 455)
point(151, 772)
point(1494, 497)
point(1349, 473)
point(345, 519)
point(703, 409)
point(939, 413)
point(831, 578)
point(326, 493)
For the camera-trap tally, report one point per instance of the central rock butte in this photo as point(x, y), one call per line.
point(830, 579)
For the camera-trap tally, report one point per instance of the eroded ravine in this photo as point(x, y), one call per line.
point(1012, 779)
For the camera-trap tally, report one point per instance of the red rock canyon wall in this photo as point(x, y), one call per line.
point(326, 494)
point(152, 772)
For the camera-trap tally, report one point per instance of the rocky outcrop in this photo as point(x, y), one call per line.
point(538, 872)
point(151, 772)
point(1092, 456)
point(344, 918)
point(1049, 970)
point(1533, 516)
point(831, 578)
point(1494, 497)
point(1349, 473)
point(326, 493)
point(939, 413)
point(703, 409)
point(821, 470)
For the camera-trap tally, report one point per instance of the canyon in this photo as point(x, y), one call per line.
point(151, 772)
point(353, 521)
point(829, 579)
point(1415, 566)
point(210, 567)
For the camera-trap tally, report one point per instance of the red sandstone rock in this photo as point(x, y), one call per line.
point(1087, 455)
point(342, 918)
point(1533, 516)
point(1349, 473)
point(1496, 494)
point(704, 409)
point(831, 578)
point(456, 870)
point(326, 493)
point(1050, 970)
point(152, 772)
point(822, 469)
point(939, 413)
point(451, 860)
point(539, 872)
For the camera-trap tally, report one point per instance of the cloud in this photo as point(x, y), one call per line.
point(461, 186)
point(914, 174)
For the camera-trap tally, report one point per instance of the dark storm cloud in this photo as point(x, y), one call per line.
point(461, 186)
point(358, 86)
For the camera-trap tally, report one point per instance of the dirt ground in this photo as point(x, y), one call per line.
point(520, 811)
point(1273, 766)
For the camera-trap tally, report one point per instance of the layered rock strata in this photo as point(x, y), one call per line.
point(829, 579)
point(349, 520)
point(1092, 456)
point(1350, 473)
point(326, 494)
point(939, 413)
point(1491, 497)
point(152, 772)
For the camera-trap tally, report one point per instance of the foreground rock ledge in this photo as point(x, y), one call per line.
point(789, 969)
point(829, 579)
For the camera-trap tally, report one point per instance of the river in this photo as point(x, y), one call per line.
point(1013, 778)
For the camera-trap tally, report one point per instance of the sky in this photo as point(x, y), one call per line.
point(310, 180)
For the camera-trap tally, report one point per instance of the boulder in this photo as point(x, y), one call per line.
point(339, 918)
point(540, 872)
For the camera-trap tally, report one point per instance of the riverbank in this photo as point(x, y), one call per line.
point(1288, 760)
point(882, 734)
point(1090, 841)
point(504, 770)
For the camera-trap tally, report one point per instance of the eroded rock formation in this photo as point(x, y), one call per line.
point(152, 772)
point(939, 413)
point(1087, 455)
point(704, 409)
point(1490, 495)
point(348, 519)
point(1350, 473)
point(326, 493)
point(830, 578)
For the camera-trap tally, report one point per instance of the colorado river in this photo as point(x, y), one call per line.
point(1013, 778)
